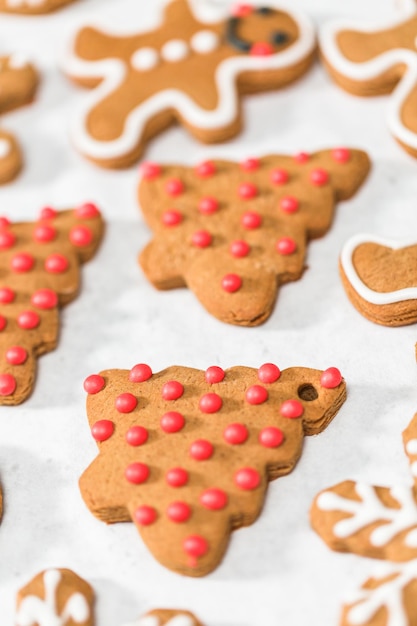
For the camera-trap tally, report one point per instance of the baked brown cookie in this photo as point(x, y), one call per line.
point(186, 70)
point(55, 597)
point(233, 233)
point(187, 455)
point(167, 617)
point(380, 278)
point(32, 7)
point(40, 272)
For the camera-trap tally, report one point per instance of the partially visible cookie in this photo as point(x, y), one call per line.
point(380, 278)
point(32, 7)
point(167, 617)
point(11, 158)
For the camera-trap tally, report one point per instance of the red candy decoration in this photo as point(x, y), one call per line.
point(172, 390)
point(102, 430)
point(289, 204)
point(137, 473)
point(177, 477)
point(28, 320)
point(205, 169)
point(268, 373)
point(145, 515)
point(279, 176)
point(235, 434)
point(271, 437)
point(3, 322)
point(172, 217)
point(231, 283)
point(56, 264)
point(261, 49)
point(44, 299)
point(256, 395)
point(214, 499)
point(7, 384)
point(126, 403)
point(201, 450)
point(210, 403)
point(4, 222)
point(48, 213)
point(87, 211)
point(172, 422)
point(44, 233)
point(195, 546)
point(319, 176)
point(136, 436)
point(301, 157)
point(286, 246)
point(250, 165)
point(291, 409)
point(16, 355)
point(242, 10)
point(247, 478)
point(214, 374)
point(251, 220)
point(140, 373)
point(80, 236)
point(201, 239)
point(22, 262)
point(246, 191)
point(208, 205)
point(331, 378)
point(239, 249)
point(7, 239)
point(94, 383)
point(341, 155)
point(150, 170)
point(174, 187)
point(7, 295)
point(179, 512)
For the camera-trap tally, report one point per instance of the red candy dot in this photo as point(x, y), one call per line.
point(247, 478)
point(201, 239)
point(331, 378)
point(319, 176)
point(242, 10)
point(179, 512)
point(150, 170)
point(341, 155)
point(301, 157)
point(94, 383)
point(289, 204)
point(87, 211)
point(279, 176)
point(56, 264)
point(285, 246)
point(172, 390)
point(172, 422)
point(102, 430)
point(291, 409)
point(145, 515)
point(195, 546)
point(174, 187)
point(172, 217)
point(126, 403)
point(246, 191)
point(7, 295)
point(239, 249)
point(48, 213)
point(210, 403)
point(44, 233)
point(136, 436)
point(177, 477)
point(137, 473)
point(261, 49)
point(201, 450)
point(235, 434)
point(4, 222)
point(251, 220)
point(268, 373)
point(214, 374)
point(250, 165)
point(80, 236)
point(3, 322)
point(140, 373)
point(44, 299)
point(7, 239)
point(22, 262)
point(231, 283)
point(16, 355)
point(208, 205)
point(7, 384)
point(28, 320)
point(214, 499)
point(271, 437)
point(205, 169)
point(256, 394)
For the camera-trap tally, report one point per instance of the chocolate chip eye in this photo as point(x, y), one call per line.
point(264, 10)
point(308, 393)
point(279, 37)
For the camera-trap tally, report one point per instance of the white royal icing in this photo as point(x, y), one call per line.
point(5, 147)
point(204, 41)
point(22, 3)
point(18, 60)
point(33, 610)
point(374, 297)
point(368, 70)
point(175, 50)
point(114, 71)
point(153, 620)
point(411, 447)
point(144, 59)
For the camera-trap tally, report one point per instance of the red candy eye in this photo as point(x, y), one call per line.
point(242, 10)
point(291, 409)
point(102, 430)
point(94, 383)
point(331, 378)
point(172, 390)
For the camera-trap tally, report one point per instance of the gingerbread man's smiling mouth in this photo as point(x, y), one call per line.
point(275, 39)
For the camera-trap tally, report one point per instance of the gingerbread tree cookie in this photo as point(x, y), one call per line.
point(32, 7)
point(187, 455)
point(233, 233)
point(376, 522)
point(167, 617)
point(40, 273)
point(186, 70)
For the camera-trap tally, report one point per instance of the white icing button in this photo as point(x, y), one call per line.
point(204, 41)
point(174, 50)
point(144, 59)
point(18, 60)
point(5, 148)
point(412, 447)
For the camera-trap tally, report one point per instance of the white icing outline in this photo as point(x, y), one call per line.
point(374, 297)
point(113, 72)
point(5, 147)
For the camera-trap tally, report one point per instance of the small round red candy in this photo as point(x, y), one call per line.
point(239, 249)
point(261, 49)
point(247, 478)
point(137, 473)
point(214, 374)
point(16, 355)
point(7, 239)
point(140, 373)
point(172, 422)
point(271, 437)
point(145, 515)
point(195, 546)
point(279, 176)
point(102, 430)
point(201, 450)
point(94, 383)
point(48, 213)
point(214, 499)
point(210, 403)
point(231, 283)
point(136, 436)
point(150, 170)
point(301, 157)
point(256, 394)
point(7, 295)
point(22, 262)
point(205, 169)
point(289, 204)
point(235, 434)
point(87, 211)
point(4, 222)
point(7, 384)
point(28, 320)
point(268, 373)
point(56, 264)
point(44, 299)
point(43, 233)
point(251, 220)
point(341, 155)
point(172, 217)
point(179, 512)
point(250, 165)
point(319, 176)
point(176, 477)
point(246, 191)
point(172, 390)
point(174, 187)
point(126, 403)
point(3, 322)
point(208, 205)
point(291, 409)
point(201, 239)
point(285, 246)
point(80, 236)
point(331, 378)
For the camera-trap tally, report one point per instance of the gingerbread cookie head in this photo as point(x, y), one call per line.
point(186, 70)
point(233, 233)
point(31, 7)
point(187, 455)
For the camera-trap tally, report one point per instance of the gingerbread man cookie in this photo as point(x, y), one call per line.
point(187, 455)
point(380, 278)
point(233, 233)
point(369, 61)
point(186, 70)
point(167, 617)
point(381, 523)
point(32, 7)
point(40, 272)
point(55, 597)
